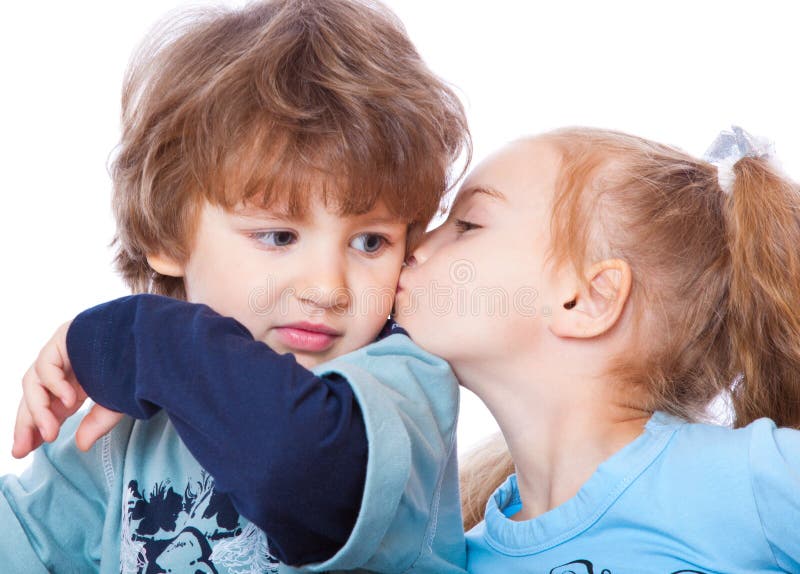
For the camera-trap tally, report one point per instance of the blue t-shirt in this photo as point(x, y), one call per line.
point(349, 467)
point(682, 498)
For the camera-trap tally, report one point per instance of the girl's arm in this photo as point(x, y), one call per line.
point(265, 428)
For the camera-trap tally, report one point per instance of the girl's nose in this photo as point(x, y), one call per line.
point(425, 247)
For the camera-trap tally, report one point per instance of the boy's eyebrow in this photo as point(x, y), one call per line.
point(478, 189)
point(257, 212)
point(262, 212)
point(382, 220)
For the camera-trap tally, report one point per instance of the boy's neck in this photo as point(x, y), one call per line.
point(560, 424)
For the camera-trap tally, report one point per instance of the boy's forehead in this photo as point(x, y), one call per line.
point(315, 208)
point(298, 187)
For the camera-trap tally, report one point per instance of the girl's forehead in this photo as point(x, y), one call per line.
point(523, 174)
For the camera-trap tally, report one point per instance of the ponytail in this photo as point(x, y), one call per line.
point(483, 470)
point(763, 214)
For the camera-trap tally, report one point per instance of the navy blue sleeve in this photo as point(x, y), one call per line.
point(289, 448)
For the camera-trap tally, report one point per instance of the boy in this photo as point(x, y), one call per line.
point(276, 163)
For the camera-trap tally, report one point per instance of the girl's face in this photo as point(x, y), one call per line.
point(477, 288)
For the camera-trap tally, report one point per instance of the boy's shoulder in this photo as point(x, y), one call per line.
point(391, 328)
point(394, 359)
point(410, 512)
point(138, 494)
point(395, 340)
point(79, 524)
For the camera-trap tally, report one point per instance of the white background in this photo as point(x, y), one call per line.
point(676, 71)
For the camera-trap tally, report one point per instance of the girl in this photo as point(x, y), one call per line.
point(654, 291)
point(598, 291)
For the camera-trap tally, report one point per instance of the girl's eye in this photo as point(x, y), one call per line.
point(462, 226)
point(275, 238)
point(369, 243)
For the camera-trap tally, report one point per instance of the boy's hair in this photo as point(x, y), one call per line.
point(280, 102)
point(715, 297)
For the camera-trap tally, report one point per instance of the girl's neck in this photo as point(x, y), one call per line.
point(559, 429)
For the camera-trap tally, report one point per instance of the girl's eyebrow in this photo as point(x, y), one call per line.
point(465, 194)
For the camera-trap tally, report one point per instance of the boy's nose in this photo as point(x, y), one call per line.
point(327, 298)
point(325, 285)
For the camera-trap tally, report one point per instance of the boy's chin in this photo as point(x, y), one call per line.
point(306, 361)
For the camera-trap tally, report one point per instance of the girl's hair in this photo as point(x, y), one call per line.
point(279, 101)
point(716, 279)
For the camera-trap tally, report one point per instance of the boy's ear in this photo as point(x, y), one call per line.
point(589, 313)
point(165, 265)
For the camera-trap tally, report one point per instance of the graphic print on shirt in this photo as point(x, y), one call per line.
point(198, 532)
point(586, 567)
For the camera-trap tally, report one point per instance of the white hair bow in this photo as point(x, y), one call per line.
point(731, 146)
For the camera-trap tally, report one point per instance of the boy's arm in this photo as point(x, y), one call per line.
point(264, 427)
point(53, 517)
point(410, 515)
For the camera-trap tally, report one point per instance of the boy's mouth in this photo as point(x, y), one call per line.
point(309, 337)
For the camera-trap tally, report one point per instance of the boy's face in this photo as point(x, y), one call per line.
point(318, 287)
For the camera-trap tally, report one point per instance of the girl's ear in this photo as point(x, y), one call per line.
point(590, 313)
point(165, 265)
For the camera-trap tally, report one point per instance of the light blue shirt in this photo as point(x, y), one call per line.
point(77, 512)
point(682, 498)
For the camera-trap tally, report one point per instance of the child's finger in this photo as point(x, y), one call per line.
point(37, 399)
point(98, 422)
point(26, 435)
point(52, 377)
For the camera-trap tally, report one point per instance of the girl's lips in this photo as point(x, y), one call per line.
point(307, 337)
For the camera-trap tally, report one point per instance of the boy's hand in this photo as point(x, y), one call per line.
point(51, 394)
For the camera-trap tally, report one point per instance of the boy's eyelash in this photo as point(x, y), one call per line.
point(386, 243)
point(463, 225)
point(259, 236)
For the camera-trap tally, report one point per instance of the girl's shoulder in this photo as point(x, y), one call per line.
point(698, 434)
point(703, 449)
point(747, 478)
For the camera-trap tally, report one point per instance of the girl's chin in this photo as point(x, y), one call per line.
point(400, 313)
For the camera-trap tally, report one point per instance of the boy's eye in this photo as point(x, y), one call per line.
point(276, 238)
point(462, 226)
point(369, 242)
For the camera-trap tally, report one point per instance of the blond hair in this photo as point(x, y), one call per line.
point(715, 288)
point(276, 102)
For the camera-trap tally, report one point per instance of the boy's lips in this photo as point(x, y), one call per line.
point(309, 337)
